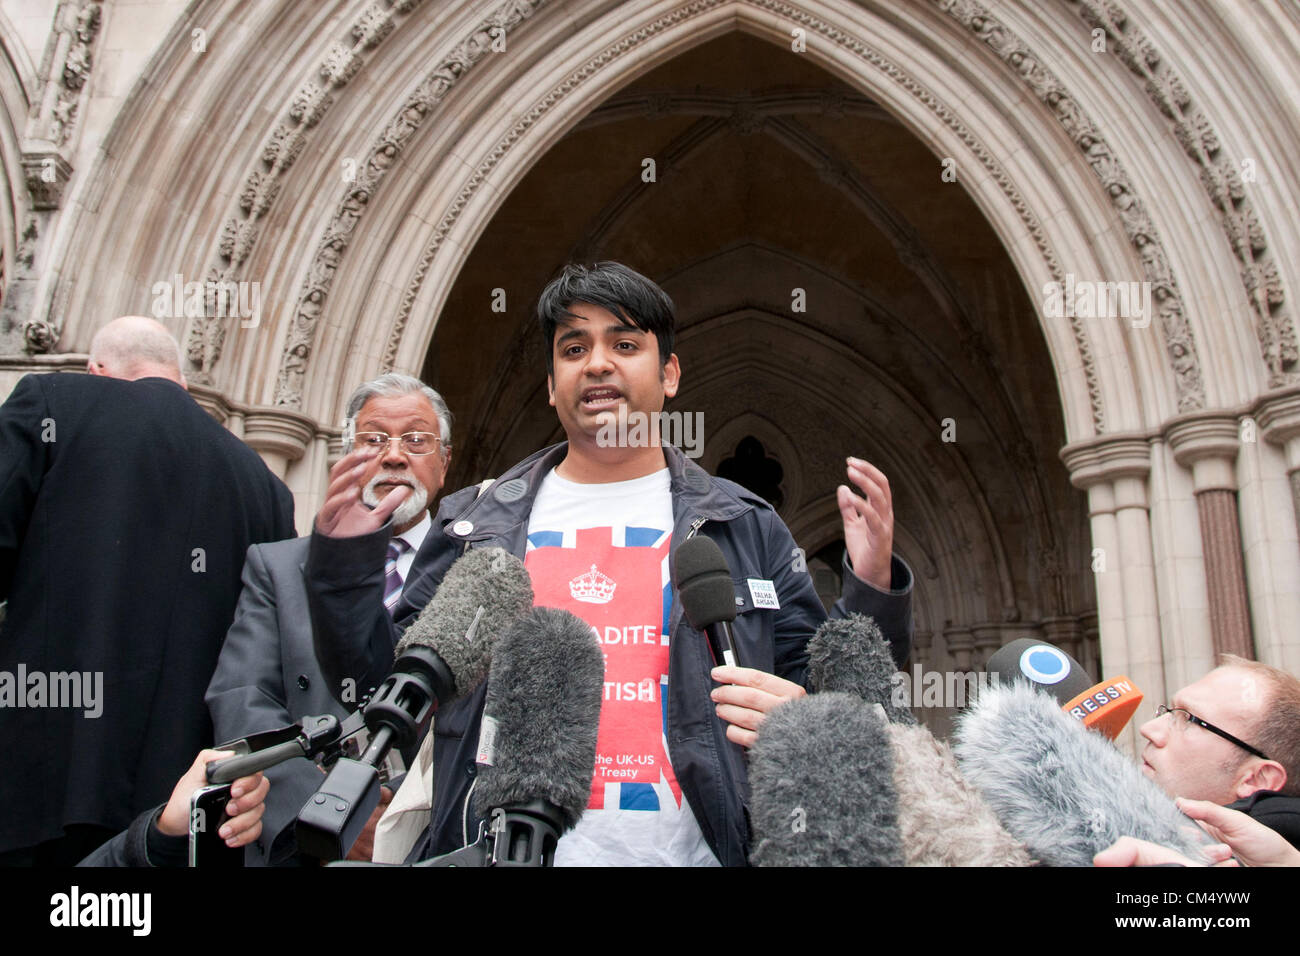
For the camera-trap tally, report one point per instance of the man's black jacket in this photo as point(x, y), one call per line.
point(125, 513)
point(355, 637)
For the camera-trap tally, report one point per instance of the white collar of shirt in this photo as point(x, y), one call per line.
point(655, 482)
point(414, 537)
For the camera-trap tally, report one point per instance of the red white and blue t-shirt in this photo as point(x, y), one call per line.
point(601, 551)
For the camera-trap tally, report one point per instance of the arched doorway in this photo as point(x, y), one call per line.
point(836, 296)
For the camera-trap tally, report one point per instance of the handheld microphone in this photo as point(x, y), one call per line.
point(1067, 794)
point(1044, 665)
point(1106, 707)
point(708, 599)
point(443, 655)
point(821, 780)
point(537, 743)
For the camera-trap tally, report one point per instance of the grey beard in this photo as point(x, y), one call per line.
point(416, 502)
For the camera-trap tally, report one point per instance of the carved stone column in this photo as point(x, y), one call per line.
point(1272, 552)
point(278, 435)
point(1207, 444)
point(1114, 472)
point(308, 479)
point(1278, 416)
point(215, 404)
point(960, 643)
point(335, 451)
point(988, 638)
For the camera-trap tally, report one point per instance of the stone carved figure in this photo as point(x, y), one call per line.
point(39, 337)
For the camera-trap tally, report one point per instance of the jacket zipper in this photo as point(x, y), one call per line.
point(723, 841)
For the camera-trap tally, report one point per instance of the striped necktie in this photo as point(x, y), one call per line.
point(392, 579)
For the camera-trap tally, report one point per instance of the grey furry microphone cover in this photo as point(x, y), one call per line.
point(489, 578)
point(544, 694)
point(1065, 791)
point(821, 779)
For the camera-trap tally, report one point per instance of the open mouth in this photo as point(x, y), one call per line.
point(600, 397)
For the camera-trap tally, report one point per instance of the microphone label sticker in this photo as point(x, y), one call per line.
point(763, 594)
point(487, 741)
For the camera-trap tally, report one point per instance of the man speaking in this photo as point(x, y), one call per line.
point(598, 523)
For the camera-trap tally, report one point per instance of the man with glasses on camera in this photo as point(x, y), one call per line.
point(268, 675)
point(1233, 738)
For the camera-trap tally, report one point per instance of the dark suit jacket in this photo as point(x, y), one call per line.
point(125, 513)
point(267, 677)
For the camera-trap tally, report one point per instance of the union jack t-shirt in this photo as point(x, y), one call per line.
point(601, 551)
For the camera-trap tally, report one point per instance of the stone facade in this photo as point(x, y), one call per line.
point(905, 232)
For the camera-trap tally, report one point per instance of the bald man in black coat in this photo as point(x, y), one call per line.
point(125, 513)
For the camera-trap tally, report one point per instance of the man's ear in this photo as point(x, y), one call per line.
point(672, 376)
point(1264, 775)
point(550, 388)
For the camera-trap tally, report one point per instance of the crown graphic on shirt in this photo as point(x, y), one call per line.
point(593, 587)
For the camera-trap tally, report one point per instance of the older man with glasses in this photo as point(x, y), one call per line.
point(268, 675)
point(1233, 738)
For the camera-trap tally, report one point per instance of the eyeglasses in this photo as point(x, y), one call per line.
point(413, 443)
point(1191, 718)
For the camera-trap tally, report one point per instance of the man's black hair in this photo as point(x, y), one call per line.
point(611, 286)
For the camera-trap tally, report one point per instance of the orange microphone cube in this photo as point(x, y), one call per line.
point(1106, 707)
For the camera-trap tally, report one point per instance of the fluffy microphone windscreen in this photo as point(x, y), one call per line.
point(822, 785)
point(851, 655)
point(541, 715)
point(489, 578)
point(1065, 792)
point(943, 819)
point(703, 582)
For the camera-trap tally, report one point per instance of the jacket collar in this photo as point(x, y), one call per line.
point(508, 501)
